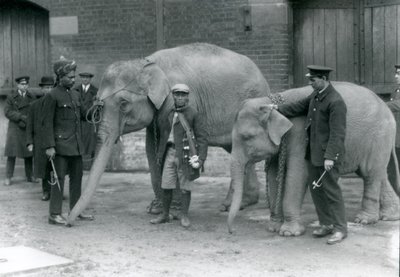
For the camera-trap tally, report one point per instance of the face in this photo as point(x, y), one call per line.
point(397, 76)
point(86, 80)
point(23, 86)
point(181, 99)
point(317, 83)
point(46, 88)
point(68, 80)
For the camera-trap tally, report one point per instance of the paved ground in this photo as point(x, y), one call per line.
point(121, 242)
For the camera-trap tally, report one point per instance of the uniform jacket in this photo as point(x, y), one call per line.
point(16, 110)
point(325, 124)
point(34, 135)
point(197, 124)
point(394, 105)
point(62, 123)
point(89, 136)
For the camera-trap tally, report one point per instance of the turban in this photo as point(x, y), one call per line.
point(63, 66)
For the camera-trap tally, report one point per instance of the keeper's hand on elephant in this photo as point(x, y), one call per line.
point(328, 164)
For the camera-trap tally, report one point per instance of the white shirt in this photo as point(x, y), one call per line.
point(85, 88)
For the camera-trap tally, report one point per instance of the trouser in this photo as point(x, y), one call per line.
point(72, 165)
point(328, 199)
point(11, 165)
point(46, 187)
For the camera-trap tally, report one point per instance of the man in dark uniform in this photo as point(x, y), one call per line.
point(326, 129)
point(34, 133)
point(16, 110)
point(394, 106)
point(181, 167)
point(62, 139)
point(88, 93)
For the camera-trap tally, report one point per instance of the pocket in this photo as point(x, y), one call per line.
point(66, 111)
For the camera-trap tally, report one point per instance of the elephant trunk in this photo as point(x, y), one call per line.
point(106, 137)
point(237, 175)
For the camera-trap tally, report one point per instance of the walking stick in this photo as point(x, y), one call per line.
point(318, 183)
point(54, 175)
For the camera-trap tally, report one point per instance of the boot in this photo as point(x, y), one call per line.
point(185, 222)
point(164, 217)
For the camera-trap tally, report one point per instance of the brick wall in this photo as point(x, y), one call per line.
point(126, 29)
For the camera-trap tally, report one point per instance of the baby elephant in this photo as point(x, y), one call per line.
point(369, 144)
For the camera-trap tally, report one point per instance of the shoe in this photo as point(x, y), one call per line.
point(87, 217)
point(336, 237)
point(46, 196)
point(161, 219)
point(323, 231)
point(7, 182)
point(57, 219)
point(185, 222)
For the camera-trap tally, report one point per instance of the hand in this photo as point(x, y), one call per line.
point(23, 118)
point(21, 124)
point(30, 147)
point(328, 164)
point(50, 152)
point(194, 161)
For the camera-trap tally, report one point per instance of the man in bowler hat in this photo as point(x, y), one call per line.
point(326, 130)
point(34, 137)
point(63, 139)
point(394, 106)
point(88, 94)
point(16, 110)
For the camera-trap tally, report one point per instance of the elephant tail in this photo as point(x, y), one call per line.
point(393, 172)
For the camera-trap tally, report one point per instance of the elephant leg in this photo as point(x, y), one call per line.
point(389, 203)
point(295, 189)
point(370, 202)
point(276, 218)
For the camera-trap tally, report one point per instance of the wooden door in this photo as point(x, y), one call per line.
point(324, 34)
point(24, 43)
point(360, 39)
point(382, 44)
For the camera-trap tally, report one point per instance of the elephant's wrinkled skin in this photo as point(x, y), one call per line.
point(369, 143)
point(136, 95)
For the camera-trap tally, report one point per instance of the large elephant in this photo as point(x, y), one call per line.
point(136, 95)
point(257, 135)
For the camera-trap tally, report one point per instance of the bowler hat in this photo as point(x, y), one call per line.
point(86, 74)
point(181, 88)
point(22, 79)
point(318, 71)
point(397, 66)
point(46, 81)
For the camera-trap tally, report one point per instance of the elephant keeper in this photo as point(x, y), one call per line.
point(62, 138)
point(326, 130)
point(180, 166)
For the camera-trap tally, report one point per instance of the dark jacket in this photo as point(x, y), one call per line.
point(62, 122)
point(16, 110)
point(34, 135)
point(325, 124)
point(197, 123)
point(89, 135)
point(394, 106)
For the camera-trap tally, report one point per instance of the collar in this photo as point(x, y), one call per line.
point(182, 109)
point(321, 94)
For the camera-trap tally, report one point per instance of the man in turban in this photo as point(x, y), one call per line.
point(63, 139)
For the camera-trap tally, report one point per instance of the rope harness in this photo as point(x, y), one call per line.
point(282, 155)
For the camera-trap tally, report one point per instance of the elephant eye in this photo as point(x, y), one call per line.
point(247, 135)
point(124, 106)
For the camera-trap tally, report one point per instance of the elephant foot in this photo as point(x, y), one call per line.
point(290, 229)
point(274, 225)
point(155, 207)
point(365, 218)
point(389, 214)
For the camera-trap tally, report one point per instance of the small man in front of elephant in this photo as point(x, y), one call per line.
point(394, 106)
point(182, 157)
point(326, 130)
point(16, 110)
point(34, 133)
point(62, 138)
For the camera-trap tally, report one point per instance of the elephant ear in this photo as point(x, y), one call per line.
point(156, 84)
point(276, 124)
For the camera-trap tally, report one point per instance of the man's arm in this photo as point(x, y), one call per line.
point(12, 113)
point(394, 105)
point(296, 108)
point(201, 134)
point(29, 128)
point(48, 110)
